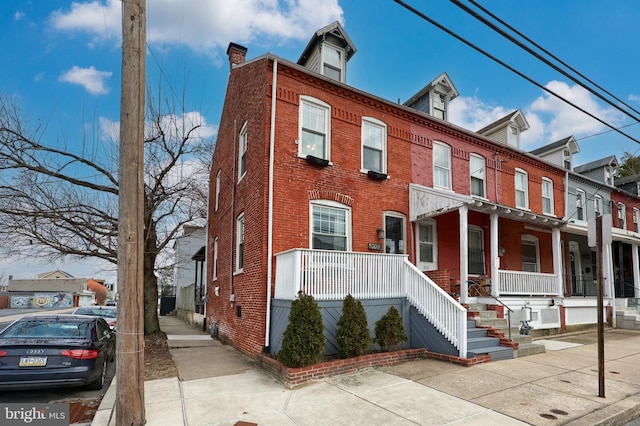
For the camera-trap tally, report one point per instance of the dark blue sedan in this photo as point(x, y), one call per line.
point(40, 351)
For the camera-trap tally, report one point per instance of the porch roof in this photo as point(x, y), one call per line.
point(430, 202)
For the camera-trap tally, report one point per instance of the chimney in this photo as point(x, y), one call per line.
point(236, 54)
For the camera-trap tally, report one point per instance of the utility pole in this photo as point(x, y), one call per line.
point(600, 254)
point(130, 340)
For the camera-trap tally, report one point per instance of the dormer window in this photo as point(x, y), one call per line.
point(512, 136)
point(567, 159)
point(439, 105)
point(332, 62)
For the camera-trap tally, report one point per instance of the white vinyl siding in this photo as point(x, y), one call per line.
point(441, 165)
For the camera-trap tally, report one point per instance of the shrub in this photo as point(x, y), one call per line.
point(303, 341)
point(390, 333)
point(353, 336)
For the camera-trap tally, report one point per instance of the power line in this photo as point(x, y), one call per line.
point(510, 68)
point(546, 61)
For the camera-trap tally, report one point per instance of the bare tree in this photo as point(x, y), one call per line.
point(57, 202)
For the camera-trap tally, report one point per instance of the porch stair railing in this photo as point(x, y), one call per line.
point(331, 275)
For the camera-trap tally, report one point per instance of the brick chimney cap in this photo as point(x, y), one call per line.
point(235, 46)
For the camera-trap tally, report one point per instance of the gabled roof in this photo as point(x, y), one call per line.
point(54, 274)
point(566, 143)
point(610, 161)
point(516, 117)
point(443, 82)
point(628, 179)
point(336, 30)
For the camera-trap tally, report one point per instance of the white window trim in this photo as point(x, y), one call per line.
point(598, 209)
point(536, 241)
point(622, 211)
point(239, 241)
point(215, 259)
point(549, 182)
point(581, 194)
point(218, 182)
point(484, 175)
point(448, 148)
point(327, 126)
point(377, 123)
point(427, 266)
point(404, 226)
point(343, 61)
point(336, 205)
point(242, 151)
point(636, 219)
point(526, 188)
point(474, 228)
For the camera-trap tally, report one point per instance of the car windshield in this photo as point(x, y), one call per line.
point(46, 329)
point(97, 312)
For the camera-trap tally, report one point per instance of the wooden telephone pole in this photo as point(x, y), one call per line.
point(130, 340)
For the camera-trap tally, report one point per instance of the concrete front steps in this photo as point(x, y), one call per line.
point(628, 318)
point(481, 318)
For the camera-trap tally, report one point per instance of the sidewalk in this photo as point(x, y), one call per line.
point(217, 385)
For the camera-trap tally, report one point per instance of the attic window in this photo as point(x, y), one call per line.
point(332, 66)
point(439, 105)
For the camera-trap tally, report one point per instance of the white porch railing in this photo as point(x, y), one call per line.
point(526, 283)
point(331, 275)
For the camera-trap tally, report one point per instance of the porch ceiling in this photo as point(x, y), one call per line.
point(430, 202)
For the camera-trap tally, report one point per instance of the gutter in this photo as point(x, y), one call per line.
point(272, 136)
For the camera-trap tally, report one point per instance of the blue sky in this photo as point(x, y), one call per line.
point(62, 59)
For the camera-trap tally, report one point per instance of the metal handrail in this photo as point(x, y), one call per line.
point(509, 310)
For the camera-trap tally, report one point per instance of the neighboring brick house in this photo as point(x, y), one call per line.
point(320, 187)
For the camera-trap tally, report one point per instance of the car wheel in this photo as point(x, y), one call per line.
point(98, 383)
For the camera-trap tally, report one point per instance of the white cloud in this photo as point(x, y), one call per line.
point(203, 26)
point(473, 114)
point(91, 79)
point(18, 16)
point(634, 98)
point(561, 119)
point(550, 119)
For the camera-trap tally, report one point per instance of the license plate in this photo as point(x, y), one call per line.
point(33, 361)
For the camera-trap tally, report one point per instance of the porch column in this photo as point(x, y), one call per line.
point(495, 256)
point(463, 211)
point(557, 259)
point(636, 270)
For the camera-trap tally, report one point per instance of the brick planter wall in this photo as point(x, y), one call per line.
point(292, 377)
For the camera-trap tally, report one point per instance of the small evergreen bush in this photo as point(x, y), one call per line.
point(353, 336)
point(303, 341)
point(389, 331)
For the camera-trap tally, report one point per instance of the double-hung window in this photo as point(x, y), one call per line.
point(315, 128)
point(332, 65)
point(547, 196)
point(622, 215)
point(636, 218)
point(597, 200)
point(374, 145)
point(330, 226)
point(218, 182)
point(242, 152)
point(240, 243)
point(441, 165)
point(215, 259)
point(477, 166)
point(580, 205)
point(522, 189)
